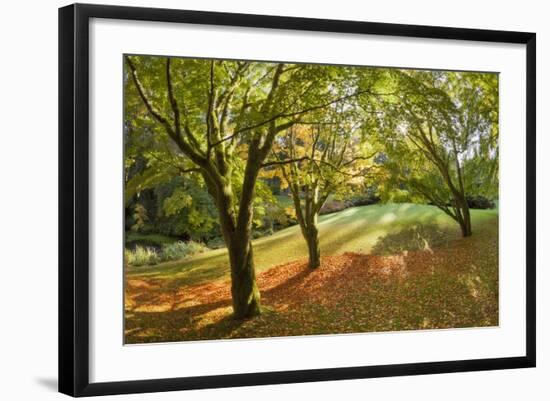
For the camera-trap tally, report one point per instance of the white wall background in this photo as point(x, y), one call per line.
point(28, 200)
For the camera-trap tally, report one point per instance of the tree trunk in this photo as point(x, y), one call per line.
point(312, 239)
point(307, 220)
point(310, 232)
point(466, 224)
point(463, 215)
point(244, 291)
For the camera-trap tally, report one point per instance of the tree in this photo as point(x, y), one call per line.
point(220, 119)
point(317, 159)
point(441, 134)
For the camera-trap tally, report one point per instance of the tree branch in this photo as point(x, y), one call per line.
point(186, 148)
point(287, 161)
point(148, 103)
point(308, 109)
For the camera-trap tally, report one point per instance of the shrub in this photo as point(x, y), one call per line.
point(364, 200)
point(333, 206)
point(154, 241)
point(480, 202)
point(141, 256)
point(215, 243)
point(178, 250)
point(262, 233)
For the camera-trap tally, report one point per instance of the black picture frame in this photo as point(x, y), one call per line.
point(74, 199)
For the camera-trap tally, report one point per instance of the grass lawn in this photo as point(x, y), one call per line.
point(384, 267)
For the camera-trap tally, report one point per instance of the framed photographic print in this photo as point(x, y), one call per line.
point(249, 199)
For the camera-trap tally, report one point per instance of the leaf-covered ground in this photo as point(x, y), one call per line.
point(413, 276)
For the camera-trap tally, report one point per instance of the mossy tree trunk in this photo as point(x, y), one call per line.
point(244, 291)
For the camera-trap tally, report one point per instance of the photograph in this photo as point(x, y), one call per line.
point(270, 198)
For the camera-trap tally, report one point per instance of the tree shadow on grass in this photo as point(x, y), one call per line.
point(417, 238)
point(213, 319)
point(191, 315)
